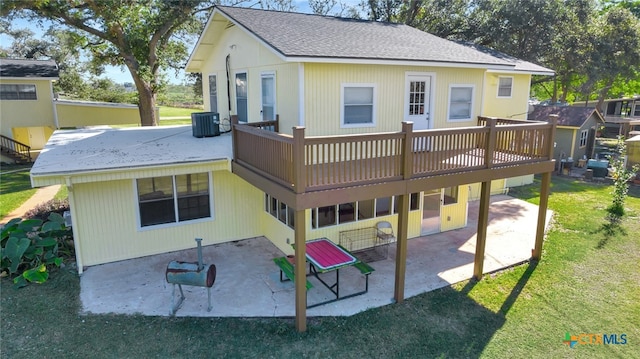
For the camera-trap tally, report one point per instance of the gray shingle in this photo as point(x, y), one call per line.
point(28, 68)
point(306, 35)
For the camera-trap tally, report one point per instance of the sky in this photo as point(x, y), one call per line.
point(120, 74)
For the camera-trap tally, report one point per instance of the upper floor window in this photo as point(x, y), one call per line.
point(173, 199)
point(460, 102)
point(358, 105)
point(18, 92)
point(505, 86)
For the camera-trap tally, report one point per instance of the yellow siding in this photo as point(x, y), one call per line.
point(27, 113)
point(120, 174)
point(80, 114)
point(34, 137)
point(277, 232)
point(322, 95)
point(454, 216)
point(497, 187)
point(518, 181)
point(247, 55)
point(514, 107)
point(107, 212)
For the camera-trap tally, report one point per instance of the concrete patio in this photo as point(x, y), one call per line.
point(248, 285)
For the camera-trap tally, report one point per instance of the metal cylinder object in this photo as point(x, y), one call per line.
point(188, 273)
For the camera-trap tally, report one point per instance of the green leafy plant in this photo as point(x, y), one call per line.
point(621, 176)
point(29, 248)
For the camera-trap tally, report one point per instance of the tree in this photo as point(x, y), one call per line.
point(448, 19)
point(617, 40)
point(144, 36)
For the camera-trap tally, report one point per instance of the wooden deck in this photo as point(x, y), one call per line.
point(306, 164)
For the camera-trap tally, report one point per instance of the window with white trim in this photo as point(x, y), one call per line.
point(460, 102)
point(279, 210)
point(584, 135)
point(18, 92)
point(173, 199)
point(358, 211)
point(357, 105)
point(505, 86)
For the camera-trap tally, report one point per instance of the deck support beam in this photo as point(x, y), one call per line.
point(299, 271)
point(545, 186)
point(481, 237)
point(401, 246)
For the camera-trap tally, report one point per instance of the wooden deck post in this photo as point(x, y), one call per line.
point(403, 214)
point(481, 236)
point(299, 179)
point(300, 270)
point(401, 246)
point(545, 186)
point(234, 140)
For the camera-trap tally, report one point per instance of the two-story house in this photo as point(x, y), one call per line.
point(373, 121)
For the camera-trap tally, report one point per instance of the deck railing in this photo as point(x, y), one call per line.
point(317, 163)
point(15, 149)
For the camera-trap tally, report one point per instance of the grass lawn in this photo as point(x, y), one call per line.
point(587, 282)
point(166, 111)
point(15, 187)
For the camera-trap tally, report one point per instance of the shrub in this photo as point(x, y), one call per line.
point(29, 248)
point(621, 177)
point(43, 210)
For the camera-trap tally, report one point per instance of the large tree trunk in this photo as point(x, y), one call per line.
point(147, 107)
point(603, 94)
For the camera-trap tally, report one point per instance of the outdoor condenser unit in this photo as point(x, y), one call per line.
point(205, 124)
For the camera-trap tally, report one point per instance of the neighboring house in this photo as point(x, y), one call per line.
point(374, 122)
point(621, 115)
point(576, 130)
point(30, 112)
point(26, 105)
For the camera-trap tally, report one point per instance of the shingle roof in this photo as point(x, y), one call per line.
point(520, 65)
point(296, 35)
point(569, 116)
point(28, 68)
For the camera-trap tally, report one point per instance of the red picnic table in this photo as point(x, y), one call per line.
point(325, 256)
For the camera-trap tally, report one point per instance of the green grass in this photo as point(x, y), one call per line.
point(15, 187)
point(177, 112)
point(586, 282)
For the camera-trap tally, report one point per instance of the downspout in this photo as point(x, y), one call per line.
point(573, 143)
point(228, 68)
point(74, 226)
point(55, 106)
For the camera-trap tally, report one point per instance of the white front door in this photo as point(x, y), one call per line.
point(417, 104)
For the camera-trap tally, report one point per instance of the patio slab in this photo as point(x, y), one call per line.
point(247, 282)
